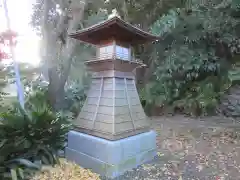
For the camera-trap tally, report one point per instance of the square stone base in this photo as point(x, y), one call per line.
point(110, 158)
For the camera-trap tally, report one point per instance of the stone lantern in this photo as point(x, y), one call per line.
point(112, 133)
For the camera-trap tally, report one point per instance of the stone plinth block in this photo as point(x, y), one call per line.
point(110, 158)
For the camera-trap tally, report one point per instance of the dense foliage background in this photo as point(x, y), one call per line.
point(196, 60)
point(193, 69)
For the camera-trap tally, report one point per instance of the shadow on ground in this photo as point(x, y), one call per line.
point(193, 149)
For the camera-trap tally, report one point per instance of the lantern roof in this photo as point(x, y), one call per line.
point(113, 28)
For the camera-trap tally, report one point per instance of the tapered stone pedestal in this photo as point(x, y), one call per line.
point(110, 158)
point(112, 109)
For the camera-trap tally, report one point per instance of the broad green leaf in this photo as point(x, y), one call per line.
point(20, 172)
point(14, 174)
point(23, 162)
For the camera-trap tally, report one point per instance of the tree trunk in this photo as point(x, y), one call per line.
point(57, 48)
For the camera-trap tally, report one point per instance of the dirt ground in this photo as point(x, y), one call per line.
point(193, 149)
point(207, 148)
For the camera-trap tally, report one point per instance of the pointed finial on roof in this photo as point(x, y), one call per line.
point(114, 14)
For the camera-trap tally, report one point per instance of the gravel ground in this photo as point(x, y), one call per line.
point(65, 171)
point(192, 149)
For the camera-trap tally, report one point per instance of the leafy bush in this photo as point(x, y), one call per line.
point(5, 101)
point(230, 102)
point(36, 93)
point(74, 99)
point(37, 97)
point(193, 58)
point(188, 80)
point(30, 138)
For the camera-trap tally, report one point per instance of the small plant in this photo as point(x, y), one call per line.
point(30, 138)
point(74, 99)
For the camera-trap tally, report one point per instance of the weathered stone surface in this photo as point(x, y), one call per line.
point(111, 158)
point(112, 109)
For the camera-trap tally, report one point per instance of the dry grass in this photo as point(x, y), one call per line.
point(66, 171)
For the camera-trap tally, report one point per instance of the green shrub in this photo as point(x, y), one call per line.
point(74, 99)
point(192, 84)
point(37, 97)
point(30, 138)
point(192, 63)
